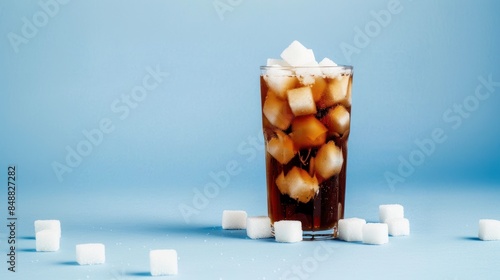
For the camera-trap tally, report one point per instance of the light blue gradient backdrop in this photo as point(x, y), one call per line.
point(65, 79)
point(205, 114)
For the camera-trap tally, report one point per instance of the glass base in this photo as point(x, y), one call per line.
point(319, 235)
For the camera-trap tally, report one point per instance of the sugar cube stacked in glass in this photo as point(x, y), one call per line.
point(306, 109)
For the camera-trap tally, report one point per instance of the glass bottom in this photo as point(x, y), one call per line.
point(319, 235)
point(316, 235)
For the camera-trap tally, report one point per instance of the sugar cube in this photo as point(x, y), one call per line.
point(280, 80)
point(326, 62)
point(329, 68)
point(351, 229)
point(398, 226)
point(329, 160)
point(336, 92)
point(337, 120)
point(234, 219)
point(163, 262)
point(308, 132)
point(301, 101)
point(298, 55)
point(288, 231)
point(90, 253)
point(276, 62)
point(307, 71)
point(259, 227)
point(298, 184)
point(277, 111)
point(281, 147)
point(48, 224)
point(489, 230)
point(375, 233)
point(318, 87)
point(390, 211)
point(47, 240)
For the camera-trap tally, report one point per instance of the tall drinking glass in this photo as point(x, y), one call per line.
point(306, 123)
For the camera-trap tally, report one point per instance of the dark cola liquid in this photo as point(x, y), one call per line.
point(324, 210)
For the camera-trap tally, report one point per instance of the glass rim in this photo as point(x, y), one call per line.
point(265, 67)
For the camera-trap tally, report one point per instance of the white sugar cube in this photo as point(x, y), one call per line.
point(337, 92)
point(301, 101)
point(390, 211)
point(277, 112)
point(298, 184)
point(351, 229)
point(329, 68)
point(259, 227)
point(54, 225)
point(327, 62)
point(298, 55)
point(337, 120)
point(398, 226)
point(307, 72)
point(47, 240)
point(489, 230)
point(288, 231)
point(279, 80)
point(329, 160)
point(163, 262)
point(277, 62)
point(234, 219)
point(281, 147)
point(375, 233)
point(90, 253)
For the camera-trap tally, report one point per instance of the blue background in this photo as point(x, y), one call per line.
point(409, 74)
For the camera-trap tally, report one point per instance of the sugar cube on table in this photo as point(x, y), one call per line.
point(489, 230)
point(351, 229)
point(390, 211)
point(48, 224)
point(163, 262)
point(90, 253)
point(398, 226)
point(259, 227)
point(288, 231)
point(47, 240)
point(375, 233)
point(234, 219)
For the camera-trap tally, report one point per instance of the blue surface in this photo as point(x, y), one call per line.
point(424, 131)
point(443, 243)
